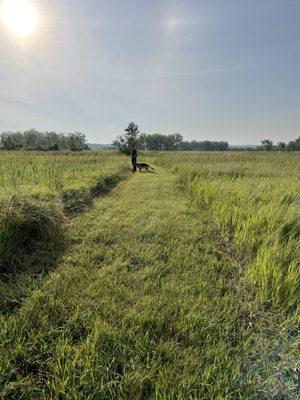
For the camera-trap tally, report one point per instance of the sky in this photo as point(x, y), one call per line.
point(208, 69)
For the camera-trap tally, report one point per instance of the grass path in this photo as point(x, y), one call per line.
point(143, 306)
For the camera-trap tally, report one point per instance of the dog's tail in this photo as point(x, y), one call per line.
point(151, 167)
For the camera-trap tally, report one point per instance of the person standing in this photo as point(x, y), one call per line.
point(133, 158)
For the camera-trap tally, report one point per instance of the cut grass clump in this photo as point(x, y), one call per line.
point(25, 223)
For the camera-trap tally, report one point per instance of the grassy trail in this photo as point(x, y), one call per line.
point(143, 306)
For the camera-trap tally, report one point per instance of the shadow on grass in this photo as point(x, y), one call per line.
point(75, 200)
point(25, 270)
point(33, 242)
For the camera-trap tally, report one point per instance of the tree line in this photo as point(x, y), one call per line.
point(159, 142)
point(46, 141)
point(268, 145)
point(42, 141)
point(174, 142)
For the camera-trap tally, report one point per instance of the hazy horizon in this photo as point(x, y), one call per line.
point(208, 70)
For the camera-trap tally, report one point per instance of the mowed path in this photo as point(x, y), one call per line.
point(140, 307)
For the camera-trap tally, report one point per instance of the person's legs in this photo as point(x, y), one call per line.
point(133, 165)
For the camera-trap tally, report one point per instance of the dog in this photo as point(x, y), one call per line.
point(144, 166)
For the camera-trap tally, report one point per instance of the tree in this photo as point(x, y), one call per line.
point(159, 142)
point(222, 146)
point(294, 145)
point(154, 141)
point(267, 145)
point(12, 140)
point(281, 146)
point(172, 142)
point(132, 134)
point(291, 146)
point(187, 146)
point(124, 143)
point(77, 141)
point(33, 139)
point(53, 140)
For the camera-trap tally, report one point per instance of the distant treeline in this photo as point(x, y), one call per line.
point(206, 145)
point(173, 142)
point(51, 141)
point(43, 141)
point(268, 145)
point(159, 142)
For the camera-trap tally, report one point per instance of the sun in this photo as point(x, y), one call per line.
point(19, 16)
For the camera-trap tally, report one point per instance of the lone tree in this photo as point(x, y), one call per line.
point(125, 142)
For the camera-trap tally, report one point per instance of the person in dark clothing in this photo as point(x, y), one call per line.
point(133, 158)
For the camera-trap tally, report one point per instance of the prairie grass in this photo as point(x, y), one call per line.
point(25, 222)
point(254, 201)
point(52, 174)
point(154, 298)
point(40, 191)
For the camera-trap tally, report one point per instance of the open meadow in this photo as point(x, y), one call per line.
point(39, 194)
point(177, 284)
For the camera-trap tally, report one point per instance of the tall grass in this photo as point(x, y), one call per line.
point(254, 201)
point(39, 189)
point(49, 175)
point(157, 297)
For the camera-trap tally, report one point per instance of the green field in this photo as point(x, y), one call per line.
point(51, 175)
point(178, 284)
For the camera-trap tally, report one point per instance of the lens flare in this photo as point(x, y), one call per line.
point(19, 16)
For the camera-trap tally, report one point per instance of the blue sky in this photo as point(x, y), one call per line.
point(216, 70)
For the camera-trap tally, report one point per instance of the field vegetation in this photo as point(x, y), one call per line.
point(53, 175)
point(178, 284)
point(39, 192)
point(254, 201)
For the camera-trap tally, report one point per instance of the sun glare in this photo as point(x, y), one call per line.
point(172, 23)
point(19, 16)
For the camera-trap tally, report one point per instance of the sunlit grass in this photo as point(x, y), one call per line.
point(40, 174)
point(174, 286)
point(254, 201)
point(39, 193)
